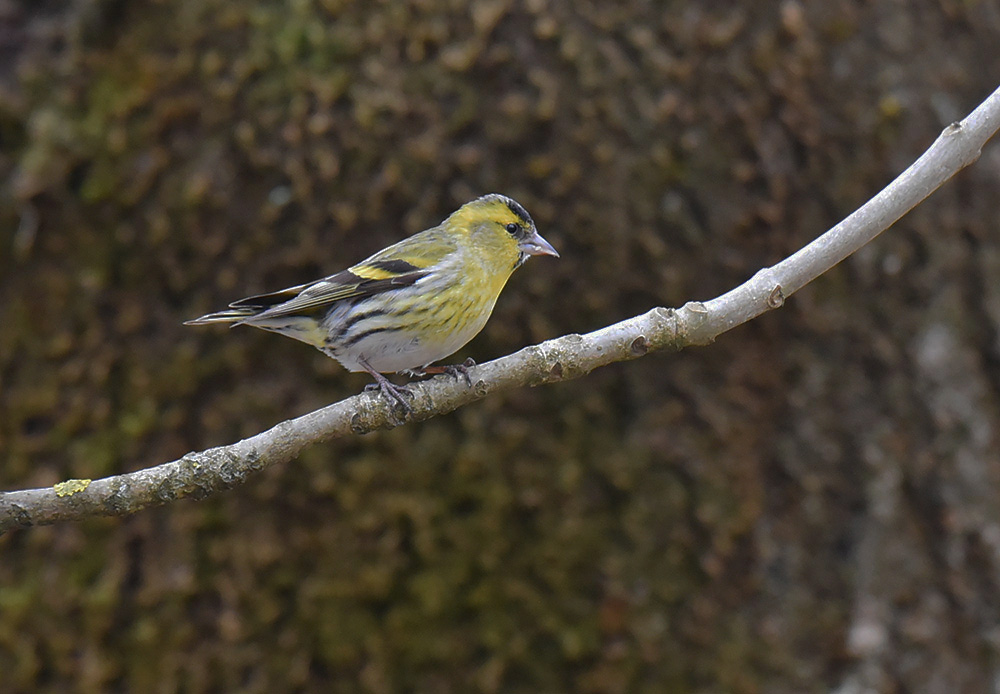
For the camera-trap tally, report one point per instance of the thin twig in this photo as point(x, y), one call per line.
point(200, 474)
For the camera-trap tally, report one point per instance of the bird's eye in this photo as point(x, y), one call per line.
point(513, 228)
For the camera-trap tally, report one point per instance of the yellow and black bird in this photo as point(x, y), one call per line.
point(410, 304)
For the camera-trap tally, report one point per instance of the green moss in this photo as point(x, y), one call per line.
point(655, 527)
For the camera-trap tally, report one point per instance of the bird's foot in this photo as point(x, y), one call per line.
point(454, 370)
point(393, 393)
point(396, 395)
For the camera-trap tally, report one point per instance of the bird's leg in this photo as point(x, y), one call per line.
point(451, 369)
point(389, 389)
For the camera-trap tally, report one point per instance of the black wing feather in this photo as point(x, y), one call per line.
point(308, 298)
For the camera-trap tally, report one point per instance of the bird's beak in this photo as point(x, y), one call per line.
point(536, 245)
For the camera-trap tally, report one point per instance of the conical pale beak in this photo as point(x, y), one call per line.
point(536, 245)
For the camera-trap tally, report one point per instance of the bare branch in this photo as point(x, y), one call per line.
point(199, 474)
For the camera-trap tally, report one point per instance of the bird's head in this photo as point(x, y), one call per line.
point(501, 228)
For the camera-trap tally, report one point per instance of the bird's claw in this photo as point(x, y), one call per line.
point(463, 369)
point(393, 393)
point(454, 370)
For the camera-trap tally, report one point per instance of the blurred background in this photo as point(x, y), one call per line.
point(812, 504)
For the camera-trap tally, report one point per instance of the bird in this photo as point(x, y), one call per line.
point(409, 305)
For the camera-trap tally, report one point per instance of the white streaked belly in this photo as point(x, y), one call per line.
point(391, 351)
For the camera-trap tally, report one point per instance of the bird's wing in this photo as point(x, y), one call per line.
point(399, 265)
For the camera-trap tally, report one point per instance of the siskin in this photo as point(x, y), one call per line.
point(408, 305)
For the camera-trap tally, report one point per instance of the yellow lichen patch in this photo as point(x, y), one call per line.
point(70, 487)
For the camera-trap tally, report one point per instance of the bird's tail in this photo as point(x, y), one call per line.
point(230, 315)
